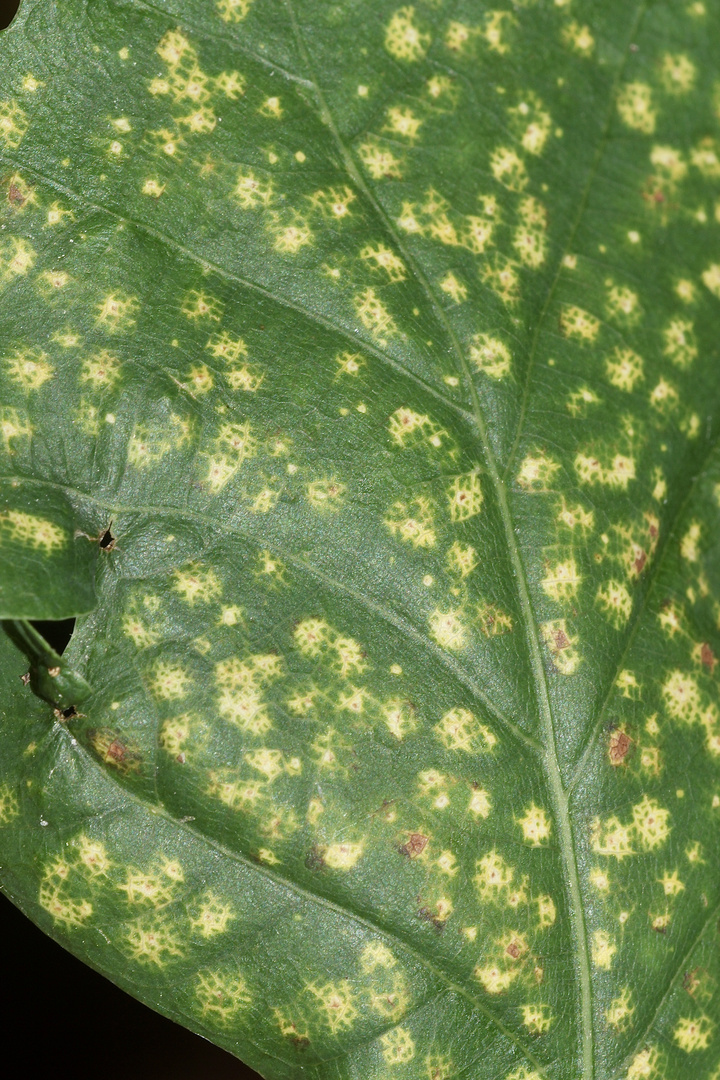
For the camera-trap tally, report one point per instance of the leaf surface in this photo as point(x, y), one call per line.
point(359, 393)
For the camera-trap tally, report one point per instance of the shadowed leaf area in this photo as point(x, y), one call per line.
point(360, 399)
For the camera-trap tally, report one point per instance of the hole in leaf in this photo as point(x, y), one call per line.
point(107, 540)
point(57, 632)
point(8, 11)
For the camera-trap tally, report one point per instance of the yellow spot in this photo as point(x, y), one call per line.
point(508, 169)
point(615, 602)
point(645, 1065)
point(537, 472)
point(221, 995)
point(151, 941)
point(199, 305)
point(578, 38)
point(31, 531)
point(536, 1018)
point(650, 822)
point(490, 356)
point(402, 122)
point(578, 324)
point(335, 1005)
point(693, 1034)
point(398, 1046)
point(562, 581)
point(535, 826)
point(379, 162)
point(678, 73)
point(465, 497)
point(689, 548)
point(603, 950)
point(9, 805)
point(342, 856)
point(403, 39)
point(196, 585)
point(454, 288)
point(624, 369)
point(101, 370)
point(460, 730)
point(374, 315)
point(635, 106)
point(447, 629)
point(13, 125)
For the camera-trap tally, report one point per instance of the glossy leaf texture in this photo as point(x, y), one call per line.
point(360, 394)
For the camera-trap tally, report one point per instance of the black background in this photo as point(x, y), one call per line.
point(58, 1018)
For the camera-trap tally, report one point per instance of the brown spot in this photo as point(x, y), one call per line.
point(429, 916)
point(180, 759)
point(300, 1042)
point(414, 846)
point(561, 639)
point(639, 562)
point(53, 672)
point(691, 981)
point(313, 859)
point(513, 949)
point(15, 196)
point(708, 657)
point(112, 750)
point(619, 746)
point(25, 679)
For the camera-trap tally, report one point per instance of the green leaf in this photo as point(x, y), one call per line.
point(383, 340)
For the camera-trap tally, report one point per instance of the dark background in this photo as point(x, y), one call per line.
point(62, 1019)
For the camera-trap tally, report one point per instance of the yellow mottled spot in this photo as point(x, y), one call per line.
point(374, 315)
point(380, 162)
point(679, 342)
point(447, 629)
point(490, 356)
point(211, 916)
point(603, 950)
point(537, 472)
point(116, 312)
point(334, 1004)
point(635, 106)
point(460, 730)
point(197, 585)
point(9, 805)
point(153, 940)
point(624, 369)
point(536, 1018)
point(615, 602)
point(169, 680)
point(562, 581)
point(678, 73)
point(535, 826)
point(384, 259)
point(508, 169)
point(13, 125)
point(651, 823)
point(398, 1046)
point(31, 531)
point(465, 497)
point(693, 1034)
point(578, 38)
point(403, 38)
point(29, 368)
point(221, 995)
point(578, 324)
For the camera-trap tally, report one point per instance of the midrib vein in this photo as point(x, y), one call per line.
point(549, 757)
